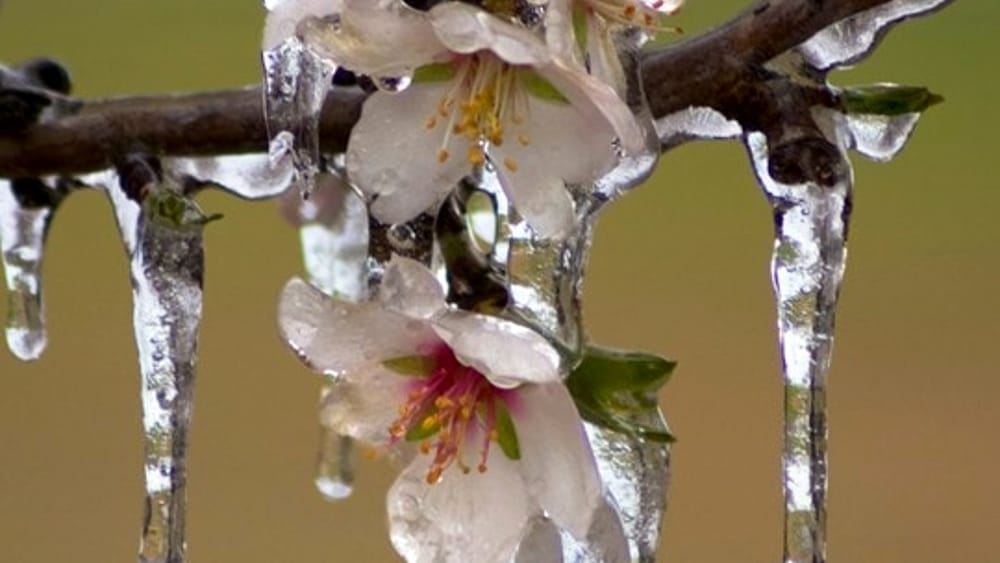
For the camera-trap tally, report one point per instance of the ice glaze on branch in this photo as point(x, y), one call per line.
point(720, 68)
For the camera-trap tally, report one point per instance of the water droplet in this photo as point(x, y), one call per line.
point(402, 236)
point(393, 83)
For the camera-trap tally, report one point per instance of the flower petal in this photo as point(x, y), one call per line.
point(393, 155)
point(335, 337)
point(410, 288)
point(464, 28)
point(556, 461)
point(476, 517)
point(540, 543)
point(364, 402)
point(507, 353)
point(374, 37)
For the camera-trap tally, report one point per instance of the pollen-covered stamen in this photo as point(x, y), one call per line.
point(453, 404)
point(643, 14)
point(485, 101)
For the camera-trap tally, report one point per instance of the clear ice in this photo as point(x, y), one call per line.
point(807, 267)
point(27, 206)
point(296, 82)
point(164, 246)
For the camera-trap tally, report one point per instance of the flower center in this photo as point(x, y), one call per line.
point(486, 100)
point(640, 13)
point(449, 408)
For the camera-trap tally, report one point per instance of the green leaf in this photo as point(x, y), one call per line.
point(617, 390)
point(176, 211)
point(541, 88)
point(411, 366)
point(506, 434)
point(580, 26)
point(434, 72)
point(888, 99)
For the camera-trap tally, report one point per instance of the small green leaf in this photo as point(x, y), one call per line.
point(411, 366)
point(434, 72)
point(580, 18)
point(617, 390)
point(176, 211)
point(506, 434)
point(541, 88)
point(888, 99)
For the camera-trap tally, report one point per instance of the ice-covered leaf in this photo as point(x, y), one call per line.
point(617, 390)
point(887, 99)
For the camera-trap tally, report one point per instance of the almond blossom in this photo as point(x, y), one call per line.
point(486, 89)
point(475, 403)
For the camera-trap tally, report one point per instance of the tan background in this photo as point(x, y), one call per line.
point(680, 267)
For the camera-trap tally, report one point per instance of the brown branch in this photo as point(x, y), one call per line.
point(709, 70)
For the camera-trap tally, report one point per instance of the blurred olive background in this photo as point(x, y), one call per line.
point(680, 267)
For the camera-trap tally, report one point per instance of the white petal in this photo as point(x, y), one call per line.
point(283, 16)
point(410, 288)
point(364, 402)
point(537, 191)
point(558, 467)
point(540, 543)
point(392, 153)
point(560, 34)
point(598, 101)
point(665, 6)
point(603, 56)
point(477, 517)
point(466, 29)
point(374, 37)
point(335, 337)
point(507, 353)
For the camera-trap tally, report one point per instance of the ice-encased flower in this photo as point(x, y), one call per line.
point(484, 88)
point(480, 397)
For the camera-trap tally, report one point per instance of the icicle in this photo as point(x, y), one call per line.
point(296, 82)
point(27, 206)
point(881, 137)
point(333, 227)
point(811, 223)
point(250, 176)
point(163, 238)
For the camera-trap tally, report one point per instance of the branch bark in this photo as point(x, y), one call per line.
point(717, 69)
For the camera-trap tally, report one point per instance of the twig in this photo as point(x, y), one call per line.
point(717, 69)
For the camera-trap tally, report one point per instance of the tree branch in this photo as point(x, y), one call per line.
point(719, 69)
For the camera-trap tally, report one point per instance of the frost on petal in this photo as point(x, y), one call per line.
point(476, 517)
point(334, 336)
point(374, 37)
point(410, 288)
point(507, 353)
point(556, 461)
point(364, 402)
point(393, 155)
point(464, 28)
point(284, 15)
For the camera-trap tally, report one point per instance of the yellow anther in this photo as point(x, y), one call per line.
point(511, 164)
point(443, 402)
point(476, 156)
point(429, 422)
point(443, 155)
point(431, 122)
point(524, 140)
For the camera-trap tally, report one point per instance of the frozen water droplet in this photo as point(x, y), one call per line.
point(392, 83)
point(26, 209)
point(166, 266)
point(402, 236)
point(881, 137)
point(296, 82)
point(807, 268)
point(335, 466)
point(852, 39)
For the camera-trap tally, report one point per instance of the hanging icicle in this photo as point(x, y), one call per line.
point(162, 232)
point(27, 206)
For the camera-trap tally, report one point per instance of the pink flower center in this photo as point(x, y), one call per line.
point(445, 411)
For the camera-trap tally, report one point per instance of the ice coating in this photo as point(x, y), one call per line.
point(250, 176)
point(334, 463)
point(23, 227)
point(852, 39)
point(695, 123)
point(166, 266)
point(807, 267)
point(881, 137)
point(296, 82)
